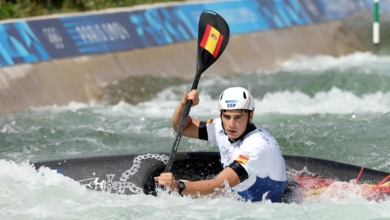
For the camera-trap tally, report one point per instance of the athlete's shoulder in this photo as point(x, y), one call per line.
point(260, 136)
point(214, 121)
point(214, 125)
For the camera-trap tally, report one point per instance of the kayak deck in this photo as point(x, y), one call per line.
point(134, 173)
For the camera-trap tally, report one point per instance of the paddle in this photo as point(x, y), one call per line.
point(213, 37)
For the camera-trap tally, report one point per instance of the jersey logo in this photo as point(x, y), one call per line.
point(226, 153)
point(242, 159)
point(209, 121)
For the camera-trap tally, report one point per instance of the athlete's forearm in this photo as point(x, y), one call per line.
point(191, 126)
point(177, 116)
point(179, 110)
point(202, 188)
point(207, 187)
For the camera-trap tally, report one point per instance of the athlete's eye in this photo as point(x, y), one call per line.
point(238, 117)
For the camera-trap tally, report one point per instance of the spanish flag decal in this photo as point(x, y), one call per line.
point(242, 159)
point(212, 40)
point(209, 121)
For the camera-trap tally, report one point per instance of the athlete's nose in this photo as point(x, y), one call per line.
point(231, 123)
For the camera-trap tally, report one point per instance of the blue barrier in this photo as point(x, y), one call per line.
point(40, 40)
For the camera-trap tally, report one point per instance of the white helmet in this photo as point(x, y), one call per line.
point(236, 98)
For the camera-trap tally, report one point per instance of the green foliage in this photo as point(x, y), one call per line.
point(28, 8)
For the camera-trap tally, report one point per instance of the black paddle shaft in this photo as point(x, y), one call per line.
point(213, 37)
point(181, 128)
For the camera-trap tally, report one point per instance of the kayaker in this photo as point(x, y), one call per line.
point(253, 164)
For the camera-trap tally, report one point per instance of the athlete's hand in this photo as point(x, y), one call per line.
point(168, 180)
point(193, 96)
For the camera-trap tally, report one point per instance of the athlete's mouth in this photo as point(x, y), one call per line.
point(232, 131)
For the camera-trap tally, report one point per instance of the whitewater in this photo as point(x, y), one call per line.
point(335, 108)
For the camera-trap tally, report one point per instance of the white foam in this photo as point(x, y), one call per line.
point(44, 194)
point(335, 101)
point(71, 106)
point(9, 128)
point(304, 64)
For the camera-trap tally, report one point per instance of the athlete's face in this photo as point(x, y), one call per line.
point(235, 121)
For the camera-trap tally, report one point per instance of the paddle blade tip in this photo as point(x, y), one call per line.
point(213, 38)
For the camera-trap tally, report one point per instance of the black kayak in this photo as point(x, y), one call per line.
point(134, 173)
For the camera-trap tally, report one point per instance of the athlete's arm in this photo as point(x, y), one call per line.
point(191, 127)
point(202, 187)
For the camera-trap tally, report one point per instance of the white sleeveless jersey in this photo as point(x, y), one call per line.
point(258, 153)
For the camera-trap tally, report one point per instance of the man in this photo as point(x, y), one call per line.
point(252, 160)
